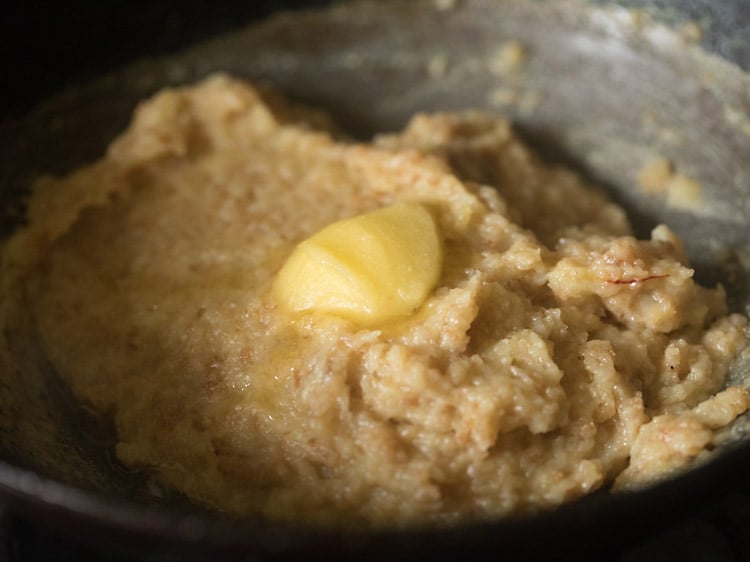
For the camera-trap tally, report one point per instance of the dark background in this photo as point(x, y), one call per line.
point(45, 46)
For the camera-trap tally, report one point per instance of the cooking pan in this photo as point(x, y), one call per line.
point(604, 88)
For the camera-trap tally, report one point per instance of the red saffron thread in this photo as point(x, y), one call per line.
point(634, 281)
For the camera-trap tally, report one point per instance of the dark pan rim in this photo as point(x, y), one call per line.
point(601, 520)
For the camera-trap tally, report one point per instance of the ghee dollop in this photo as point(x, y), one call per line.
point(369, 269)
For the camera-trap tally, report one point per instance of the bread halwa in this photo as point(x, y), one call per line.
point(557, 354)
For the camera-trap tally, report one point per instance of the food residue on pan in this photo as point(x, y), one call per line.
point(507, 63)
point(507, 58)
point(444, 5)
point(437, 66)
point(659, 177)
point(542, 351)
point(737, 118)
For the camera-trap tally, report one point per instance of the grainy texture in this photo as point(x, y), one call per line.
point(557, 354)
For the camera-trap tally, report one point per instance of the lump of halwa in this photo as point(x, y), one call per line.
point(553, 353)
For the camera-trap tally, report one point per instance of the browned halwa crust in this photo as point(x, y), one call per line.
point(557, 354)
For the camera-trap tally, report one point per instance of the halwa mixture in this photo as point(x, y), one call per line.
point(435, 326)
